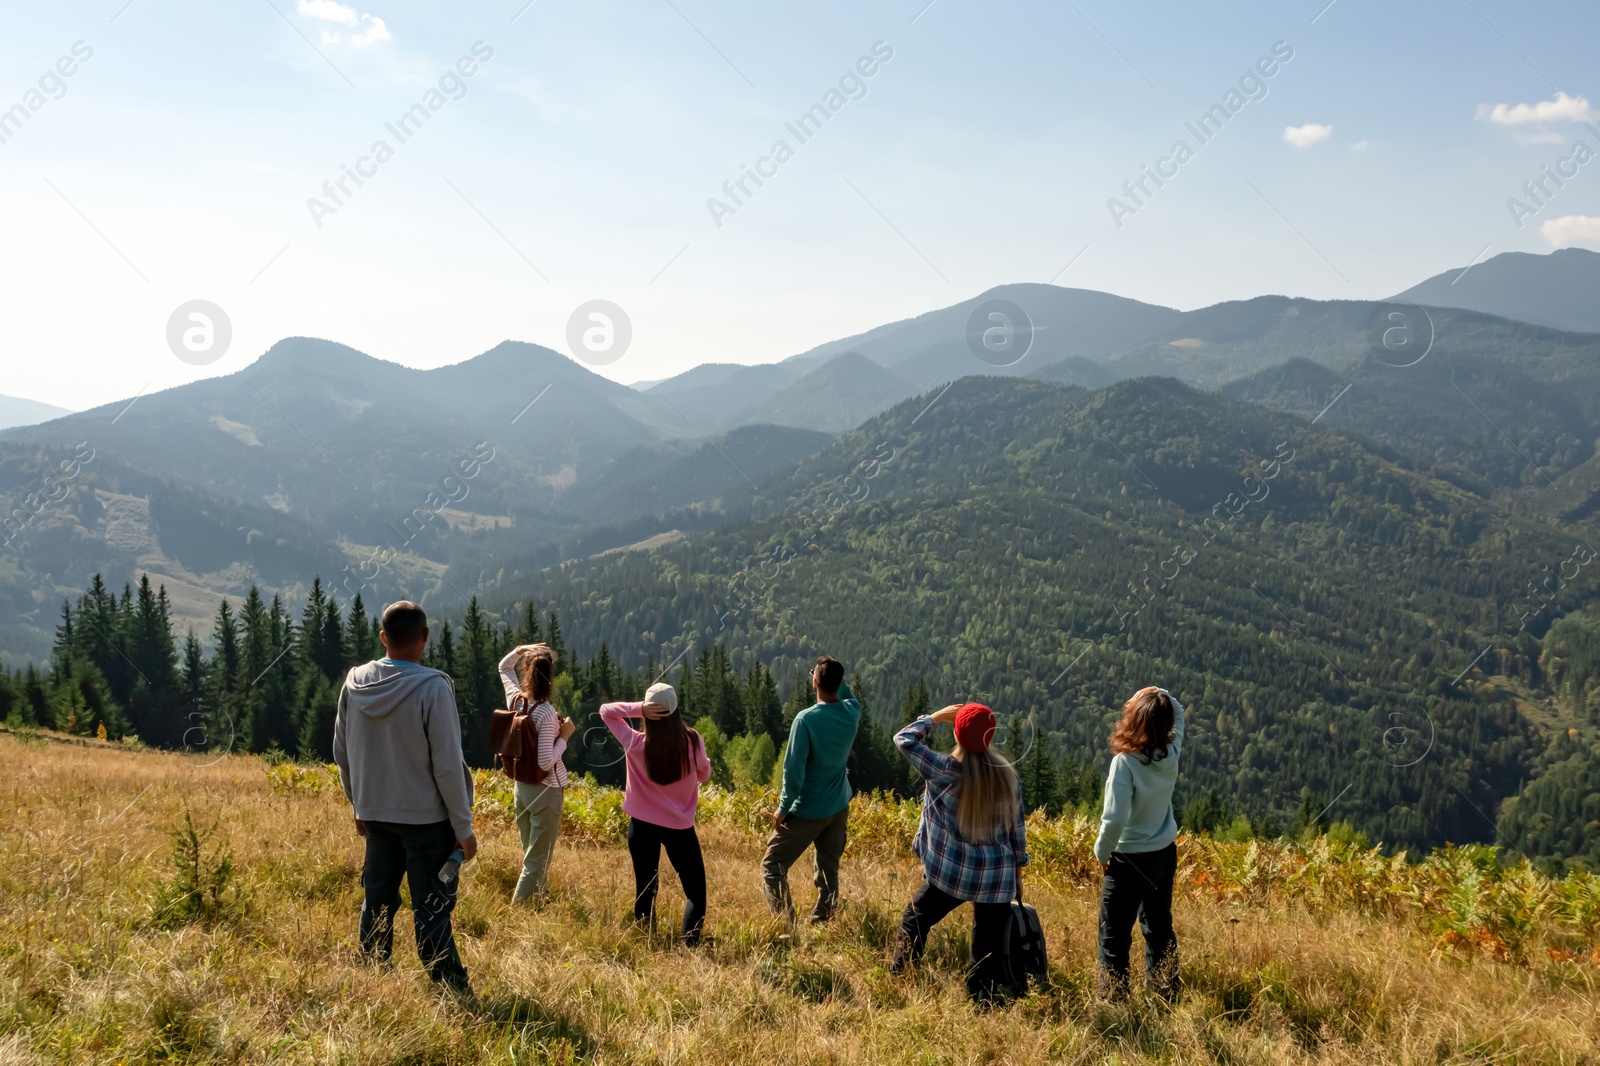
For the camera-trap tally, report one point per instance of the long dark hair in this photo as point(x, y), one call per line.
point(537, 674)
point(668, 748)
point(1146, 726)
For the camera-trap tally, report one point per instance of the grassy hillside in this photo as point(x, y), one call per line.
point(1313, 954)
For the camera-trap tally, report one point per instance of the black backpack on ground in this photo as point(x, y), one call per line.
point(1025, 950)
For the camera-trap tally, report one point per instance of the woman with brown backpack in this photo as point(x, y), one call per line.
point(541, 735)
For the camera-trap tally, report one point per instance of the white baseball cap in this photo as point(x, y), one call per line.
point(662, 694)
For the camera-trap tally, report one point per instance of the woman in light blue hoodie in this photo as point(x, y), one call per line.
point(1137, 846)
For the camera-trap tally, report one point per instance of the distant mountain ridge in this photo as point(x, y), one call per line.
point(316, 441)
point(16, 411)
point(1560, 290)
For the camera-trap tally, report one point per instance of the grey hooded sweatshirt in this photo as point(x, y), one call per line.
point(397, 742)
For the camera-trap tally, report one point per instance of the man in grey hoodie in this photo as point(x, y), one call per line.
point(397, 741)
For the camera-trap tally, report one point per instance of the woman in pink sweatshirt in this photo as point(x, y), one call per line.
point(666, 764)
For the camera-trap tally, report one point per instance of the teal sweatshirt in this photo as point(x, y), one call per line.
point(814, 781)
point(1137, 815)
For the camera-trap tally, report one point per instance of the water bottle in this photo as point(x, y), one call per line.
point(452, 866)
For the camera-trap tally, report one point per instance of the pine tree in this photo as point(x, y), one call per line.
point(313, 641)
point(528, 632)
point(84, 703)
point(192, 705)
point(321, 704)
point(557, 643)
point(800, 697)
point(763, 710)
point(255, 658)
point(358, 647)
point(103, 643)
point(602, 676)
point(222, 710)
point(1038, 774)
point(36, 696)
point(333, 651)
point(917, 703)
point(445, 658)
point(279, 723)
point(1308, 819)
point(11, 705)
point(152, 706)
point(65, 646)
point(874, 763)
point(725, 693)
point(478, 690)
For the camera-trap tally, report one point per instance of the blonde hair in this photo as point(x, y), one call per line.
point(987, 802)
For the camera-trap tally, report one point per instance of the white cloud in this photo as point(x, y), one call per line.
point(328, 11)
point(1563, 108)
point(364, 29)
point(374, 32)
point(1361, 146)
point(1540, 138)
point(1571, 229)
point(1307, 135)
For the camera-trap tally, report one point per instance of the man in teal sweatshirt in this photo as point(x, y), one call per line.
point(814, 807)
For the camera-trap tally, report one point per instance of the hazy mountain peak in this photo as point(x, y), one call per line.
point(315, 352)
point(16, 411)
point(1558, 289)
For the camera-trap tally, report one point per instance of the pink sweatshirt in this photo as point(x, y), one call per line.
point(669, 806)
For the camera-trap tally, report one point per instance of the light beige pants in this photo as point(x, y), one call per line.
point(539, 822)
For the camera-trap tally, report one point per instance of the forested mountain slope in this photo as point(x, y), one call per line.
point(379, 476)
point(1049, 550)
point(1491, 405)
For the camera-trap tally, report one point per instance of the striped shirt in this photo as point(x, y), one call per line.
point(545, 722)
point(984, 872)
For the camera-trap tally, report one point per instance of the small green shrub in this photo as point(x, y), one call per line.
point(202, 888)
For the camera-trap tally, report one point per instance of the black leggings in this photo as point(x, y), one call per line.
point(1139, 885)
point(645, 841)
point(991, 922)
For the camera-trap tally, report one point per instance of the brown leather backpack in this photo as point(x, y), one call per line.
point(515, 740)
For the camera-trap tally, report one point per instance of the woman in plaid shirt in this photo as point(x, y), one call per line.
point(970, 840)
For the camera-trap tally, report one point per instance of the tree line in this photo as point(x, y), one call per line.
point(267, 682)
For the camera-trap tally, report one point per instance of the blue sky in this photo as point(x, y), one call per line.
point(577, 163)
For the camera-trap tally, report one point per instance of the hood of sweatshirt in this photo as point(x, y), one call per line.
point(378, 687)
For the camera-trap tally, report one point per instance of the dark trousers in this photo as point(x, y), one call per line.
point(986, 976)
point(645, 841)
point(1139, 884)
point(413, 852)
point(788, 844)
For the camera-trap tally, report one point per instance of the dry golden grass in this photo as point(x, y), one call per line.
point(89, 975)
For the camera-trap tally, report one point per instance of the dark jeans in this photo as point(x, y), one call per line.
point(413, 852)
point(788, 844)
point(986, 976)
point(1139, 884)
point(645, 841)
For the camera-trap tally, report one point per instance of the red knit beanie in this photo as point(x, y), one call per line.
point(974, 727)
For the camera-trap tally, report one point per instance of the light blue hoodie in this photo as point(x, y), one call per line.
point(1138, 807)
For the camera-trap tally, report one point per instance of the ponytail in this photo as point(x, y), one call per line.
point(537, 676)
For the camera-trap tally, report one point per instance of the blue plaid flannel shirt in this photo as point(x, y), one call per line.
point(977, 873)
